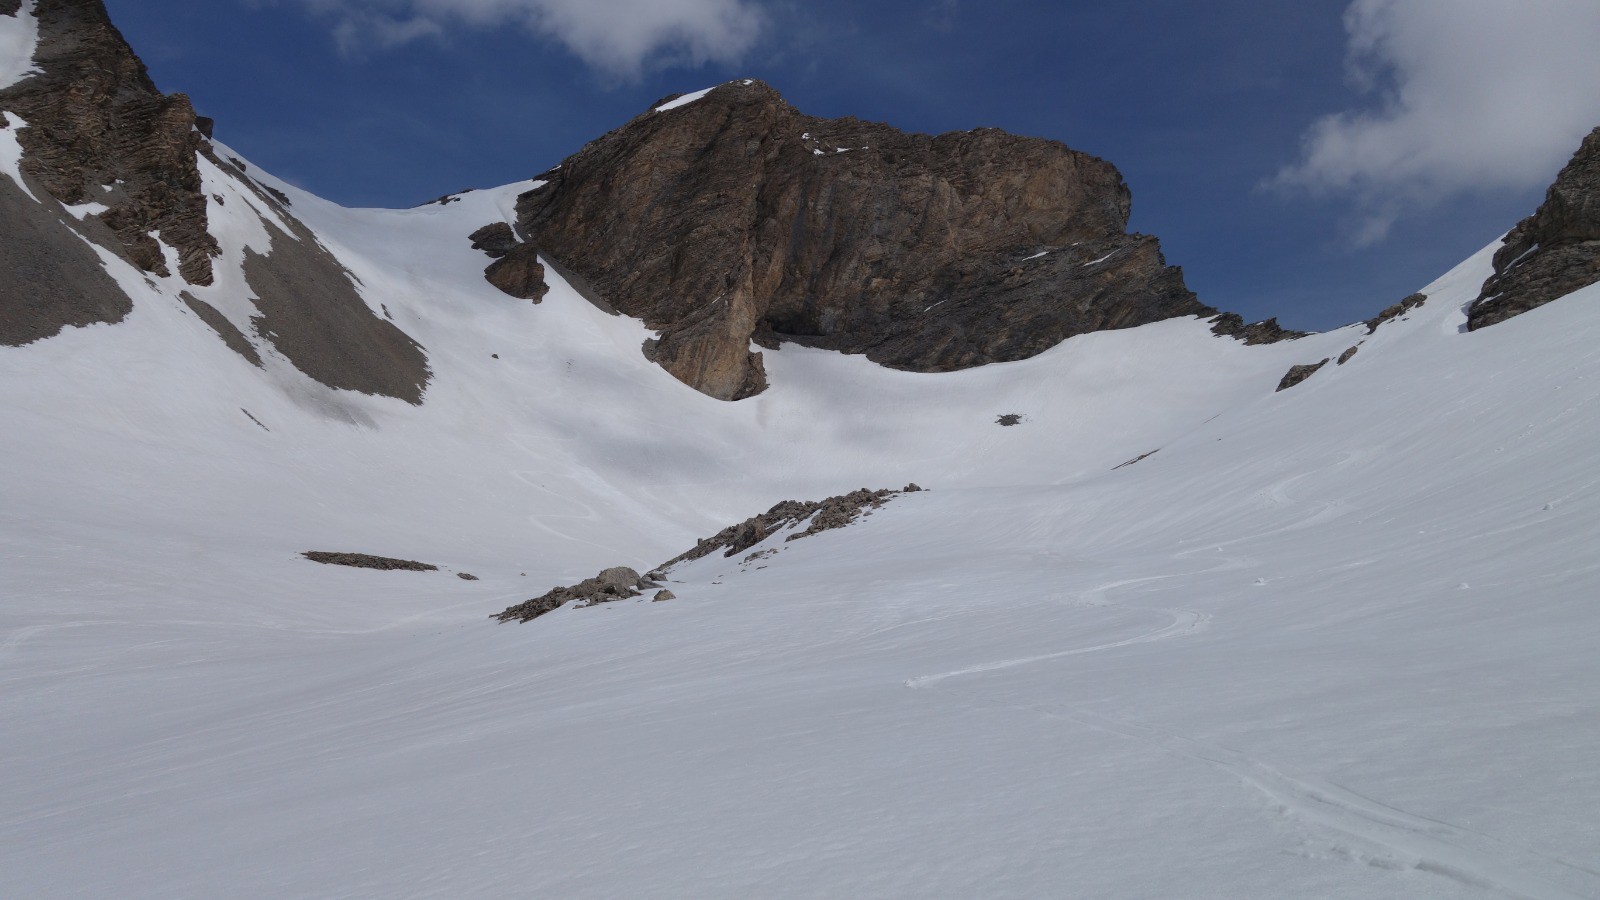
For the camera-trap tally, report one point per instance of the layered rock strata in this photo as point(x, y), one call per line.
point(99, 131)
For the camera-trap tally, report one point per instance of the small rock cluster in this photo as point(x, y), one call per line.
point(611, 585)
point(1396, 311)
point(622, 583)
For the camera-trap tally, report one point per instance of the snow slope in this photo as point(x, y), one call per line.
point(1330, 642)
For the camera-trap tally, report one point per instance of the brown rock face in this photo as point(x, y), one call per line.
point(96, 120)
point(736, 218)
point(1551, 253)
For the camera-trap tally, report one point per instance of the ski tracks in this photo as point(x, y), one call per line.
point(1373, 832)
point(1367, 830)
point(1184, 622)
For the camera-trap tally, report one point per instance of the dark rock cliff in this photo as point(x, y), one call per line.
point(96, 120)
point(98, 131)
point(1551, 253)
point(737, 219)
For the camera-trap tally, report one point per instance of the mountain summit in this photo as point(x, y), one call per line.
point(727, 217)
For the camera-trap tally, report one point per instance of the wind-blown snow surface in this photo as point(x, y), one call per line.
point(1331, 642)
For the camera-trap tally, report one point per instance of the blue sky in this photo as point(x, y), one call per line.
point(1315, 161)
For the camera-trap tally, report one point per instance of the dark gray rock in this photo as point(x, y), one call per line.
point(1551, 253)
point(609, 586)
point(1348, 354)
point(1009, 419)
point(664, 595)
point(368, 561)
point(1396, 311)
point(824, 515)
point(520, 275)
point(495, 239)
point(1267, 331)
point(312, 314)
point(49, 278)
point(1297, 374)
point(619, 578)
point(225, 329)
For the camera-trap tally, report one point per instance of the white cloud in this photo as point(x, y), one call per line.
point(620, 37)
point(1465, 95)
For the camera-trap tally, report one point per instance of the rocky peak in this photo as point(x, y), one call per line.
point(100, 131)
point(1551, 253)
point(734, 218)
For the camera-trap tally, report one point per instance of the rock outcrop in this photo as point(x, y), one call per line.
point(611, 585)
point(1396, 311)
point(368, 561)
point(1297, 374)
point(100, 132)
point(49, 278)
point(736, 219)
point(1267, 331)
point(1551, 253)
point(622, 583)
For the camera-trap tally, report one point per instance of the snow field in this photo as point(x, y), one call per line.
point(1330, 642)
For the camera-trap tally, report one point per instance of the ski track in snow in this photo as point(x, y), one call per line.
point(1376, 833)
point(1184, 622)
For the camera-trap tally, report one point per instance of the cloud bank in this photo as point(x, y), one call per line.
point(1463, 96)
point(619, 37)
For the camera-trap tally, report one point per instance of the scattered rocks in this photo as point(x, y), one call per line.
point(1551, 253)
point(1267, 331)
point(618, 583)
point(368, 561)
point(1396, 311)
point(622, 583)
point(1297, 374)
point(824, 515)
point(1009, 419)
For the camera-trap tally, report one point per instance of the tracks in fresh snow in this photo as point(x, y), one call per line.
point(1362, 829)
point(1373, 832)
point(1184, 622)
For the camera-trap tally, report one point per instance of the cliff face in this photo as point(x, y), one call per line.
point(1551, 253)
point(98, 131)
point(735, 219)
point(95, 119)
